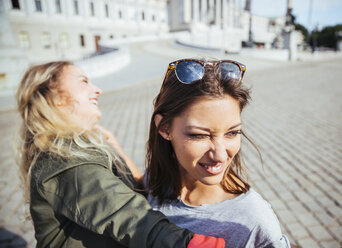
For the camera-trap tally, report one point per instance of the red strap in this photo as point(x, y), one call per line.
point(201, 241)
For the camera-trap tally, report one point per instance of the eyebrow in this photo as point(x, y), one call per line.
point(83, 77)
point(208, 129)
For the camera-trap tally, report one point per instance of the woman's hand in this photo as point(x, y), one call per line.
point(110, 138)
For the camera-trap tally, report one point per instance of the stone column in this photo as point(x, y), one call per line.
point(230, 13)
point(210, 12)
point(187, 11)
point(218, 18)
point(225, 13)
point(204, 12)
point(195, 10)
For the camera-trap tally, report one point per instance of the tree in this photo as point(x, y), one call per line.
point(327, 37)
point(302, 29)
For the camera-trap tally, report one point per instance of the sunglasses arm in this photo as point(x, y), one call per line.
point(170, 67)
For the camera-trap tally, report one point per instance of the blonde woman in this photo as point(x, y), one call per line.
point(80, 188)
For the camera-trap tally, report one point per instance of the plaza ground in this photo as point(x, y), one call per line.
point(294, 118)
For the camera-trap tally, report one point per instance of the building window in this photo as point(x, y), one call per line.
point(38, 4)
point(24, 39)
point(15, 4)
point(58, 7)
point(46, 40)
point(82, 41)
point(76, 11)
point(97, 45)
point(107, 10)
point(92, 9)
point(63, 40)
point(2, 78)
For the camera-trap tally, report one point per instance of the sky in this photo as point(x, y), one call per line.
point(324, 12)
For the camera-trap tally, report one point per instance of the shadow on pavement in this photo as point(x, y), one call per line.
point(11, 240)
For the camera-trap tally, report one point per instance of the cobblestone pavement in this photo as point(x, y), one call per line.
point(294, 119)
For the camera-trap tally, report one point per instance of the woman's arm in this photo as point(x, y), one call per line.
point(110, 138)
point(92, 197)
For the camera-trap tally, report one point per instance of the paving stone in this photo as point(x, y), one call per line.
point(297, 231)
point(287, 196)
point(280, 188)
point(268, 194)
point(326, 219)
point(320, 233)
point(297, 207)
point(337, 196)
point(308, 243)
point(277, 204)
point(29, 236)
point(337, 232)
point(330, 244)
point(286, 216)
point(326, 202)
point(303, 196)
point(314, 206)
point(316, 191)
point(308, 219)
point(335, 211)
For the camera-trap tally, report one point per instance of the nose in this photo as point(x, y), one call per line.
point(219, 151)
point(97, 90)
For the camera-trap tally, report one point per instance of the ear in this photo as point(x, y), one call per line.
point(163, 131)
point(60, 99)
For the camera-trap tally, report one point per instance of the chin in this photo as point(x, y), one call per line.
point(212, 181)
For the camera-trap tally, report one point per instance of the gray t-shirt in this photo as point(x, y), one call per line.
point(245, 221)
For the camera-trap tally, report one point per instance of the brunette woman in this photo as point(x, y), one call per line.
point(194, 171)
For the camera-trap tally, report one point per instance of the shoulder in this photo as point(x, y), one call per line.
point(48, 167)
point(265, 224)
point(260, 208)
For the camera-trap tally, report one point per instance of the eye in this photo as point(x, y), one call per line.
point(233, 133)
point(85, 81)
point(198, 136)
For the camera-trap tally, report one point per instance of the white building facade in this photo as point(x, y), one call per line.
point(35, 31)
point(70, 29)
point(212, 23)
point(222, 24)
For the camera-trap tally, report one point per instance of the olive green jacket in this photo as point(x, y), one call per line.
point(80, 203)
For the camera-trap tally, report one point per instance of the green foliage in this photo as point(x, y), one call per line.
point(327, 37)
point(302, 29)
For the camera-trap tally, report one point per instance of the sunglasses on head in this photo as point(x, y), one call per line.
point(190, 70)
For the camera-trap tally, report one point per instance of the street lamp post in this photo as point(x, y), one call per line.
point(288, 33)
point(250, 34)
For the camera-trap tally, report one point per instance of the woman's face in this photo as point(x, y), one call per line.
point(205, 138)
point(83, 95)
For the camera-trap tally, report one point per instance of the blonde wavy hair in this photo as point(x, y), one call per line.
point(45, 128)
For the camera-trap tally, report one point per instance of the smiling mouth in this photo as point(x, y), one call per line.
point(213, 168)
point(93, 101)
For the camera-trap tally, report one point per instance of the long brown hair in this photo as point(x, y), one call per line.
point(163, 173)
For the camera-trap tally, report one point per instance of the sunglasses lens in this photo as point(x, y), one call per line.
point(189, 71)
point(230, 70)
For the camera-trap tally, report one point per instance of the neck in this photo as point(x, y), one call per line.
point(197, 194)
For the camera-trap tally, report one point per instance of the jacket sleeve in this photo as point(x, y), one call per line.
point(93, 197)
